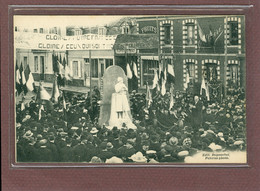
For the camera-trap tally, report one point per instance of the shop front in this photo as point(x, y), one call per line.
point(89, 65)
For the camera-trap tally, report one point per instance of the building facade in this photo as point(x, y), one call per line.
point(209, 47)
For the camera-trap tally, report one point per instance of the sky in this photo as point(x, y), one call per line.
point(31, 21)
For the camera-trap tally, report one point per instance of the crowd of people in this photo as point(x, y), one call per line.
point(169, 129)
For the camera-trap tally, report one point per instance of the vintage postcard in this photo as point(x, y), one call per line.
point(130, 89)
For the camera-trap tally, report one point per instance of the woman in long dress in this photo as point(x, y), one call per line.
point(121, 102)
point(120, 109)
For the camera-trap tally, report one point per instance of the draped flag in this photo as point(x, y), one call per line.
point(64, 62)
point(68, 73)
point(23, 79)
point(135, 70)
point(55, 64)
point(64, 107)
point(18, 83)
point(201, 34)
point(55, 90)
point(163, 80)
point(187, 80)
point(61, 68)
point(29, 79)
point(171, 98)
point(163, 89)
point(171, 102)
point(155, 79)
point(160, 69)
point(128, 71)
point(43, 97)
point(171, 73)
point(148, 98)
point(205, 88)
point(22, 106)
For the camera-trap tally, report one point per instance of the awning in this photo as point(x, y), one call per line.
point(129, 43)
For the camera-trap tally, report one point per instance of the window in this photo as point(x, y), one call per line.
point(36, 66)
point(148, 70)
point(211, 72)
point(94, 68)
point(41, 30)
point(233, 80)
point(109, 62)
point(233, 35)
point(167, 34)
point(75, 68)
point(15, 29)
point(25, 61)
point(35, 30)
point(190, 34)
point(191, 70)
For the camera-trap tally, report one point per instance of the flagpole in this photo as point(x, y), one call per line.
point(225, 67)
point(158, 32)
point(90, 78)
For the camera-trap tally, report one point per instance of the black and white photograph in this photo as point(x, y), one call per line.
point(139, 89)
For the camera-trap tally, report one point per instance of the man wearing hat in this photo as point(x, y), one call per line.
point(126, 150)
point(43, 154)
point(197, 113)
point(104, 153)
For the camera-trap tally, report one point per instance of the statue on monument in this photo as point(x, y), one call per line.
point(115, 108)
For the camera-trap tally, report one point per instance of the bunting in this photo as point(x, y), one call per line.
point(128, 71)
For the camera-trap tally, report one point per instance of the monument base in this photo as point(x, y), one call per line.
point(120, 126)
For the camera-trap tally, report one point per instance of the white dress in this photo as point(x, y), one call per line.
point(120, 103)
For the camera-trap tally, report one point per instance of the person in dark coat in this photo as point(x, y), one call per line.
point(43, 154)
point(52, 146)
point(197, 113)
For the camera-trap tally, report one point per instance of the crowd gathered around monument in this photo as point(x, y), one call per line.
point(169, 128)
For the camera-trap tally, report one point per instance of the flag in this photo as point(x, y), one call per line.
point(22, 74)
point(201, 34)
point(128, 72)
point(187, 80)
point(171, 73)
point(55, 90)
point(22, 106)
point(64, 63)
point(55, 65)
point(43, 97)
point(160, 69)
point(148, 98)
point(205, 88)
point(163, 89)
point(40, 112)
point(29, 79)
point(64, 107)
point(68, 75)
point(155, 79)
point(165, 74)
point(42, 94)
point(23, 79)
point(61, 68)
point(135, 70)
point(171, 102)
point(18, 79)
point(60, 59)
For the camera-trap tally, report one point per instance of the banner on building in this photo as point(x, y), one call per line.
point(26, 40)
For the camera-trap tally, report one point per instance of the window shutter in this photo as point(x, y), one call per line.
point(79, 69)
